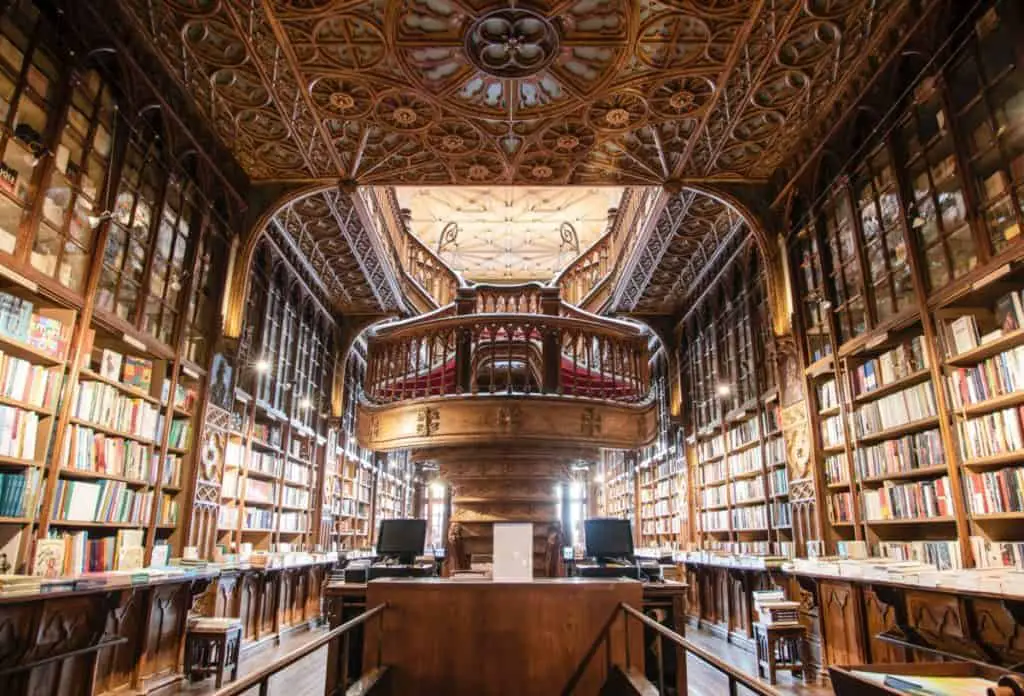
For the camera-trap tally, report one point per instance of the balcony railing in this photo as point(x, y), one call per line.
point(508, 353)
point(432, 274)
point(592, 267)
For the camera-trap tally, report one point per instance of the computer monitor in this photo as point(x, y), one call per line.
point(608, 538)
point(403, 539)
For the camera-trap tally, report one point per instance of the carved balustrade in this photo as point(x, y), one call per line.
point(431, 273)
point(592, 267)
point(523, 298)
point(508, 353)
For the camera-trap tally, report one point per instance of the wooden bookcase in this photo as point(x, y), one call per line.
point(915, 250)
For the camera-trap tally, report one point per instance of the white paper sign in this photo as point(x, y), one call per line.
point(513, 551)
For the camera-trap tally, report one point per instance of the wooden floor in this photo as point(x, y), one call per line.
point(306, 677)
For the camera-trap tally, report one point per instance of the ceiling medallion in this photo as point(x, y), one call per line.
point(511, 42)
point(617, 118)
point(567, 142)
point(683, 100)
point(478, 172)
point(404, 116)
point(342, 101)
point(452, 143)
point(542, 171)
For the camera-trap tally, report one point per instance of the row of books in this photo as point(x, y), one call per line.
point(832, 431)
point(23, 381)
point(292, 521)
point(906, 406)
point(101, 501)
point(296, 473)
point(835, 469)
point(997, 554)
point(945, 555)
point(712, 471)
point(771, 418)
point(828, 395)
point(87, 450)
point(914, 500)
point(963, 334)
point(918, 451)
point(227, 517)
point(658, 509)
point(742, 433)
point(255, 518)
point(265, 463)
point(747, 490)
point(18, 432)
point(778, 482)
point(661, 527)
point(996, 376)
point(750, 518)
point(267, 434)
point(180, 435)
point(995, 491)
point(781, 515)
point(746, 461)
point(670, 467)
point(840, 507)
point(992, 434)
point(714, 496)
point(104, 405)
point(775, 450)
point(16, 491)
point(715, 520)
point(295, 497)
point(42, 330)
point(710, 448)
point(260, 492)
point(891, 366)
point(172, 470)
point(129, 370)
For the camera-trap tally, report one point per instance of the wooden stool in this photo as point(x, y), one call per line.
point(781, 646)
point(212, 645)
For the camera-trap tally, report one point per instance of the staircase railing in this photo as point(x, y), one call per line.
point(430, 272)
point(682, 647)
point(261, 677)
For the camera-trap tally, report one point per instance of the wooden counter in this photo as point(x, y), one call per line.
point(269, 602)
point(853, 611)
point(129, 637)
point(53, 643)
point(526, 637)
point(343, 601)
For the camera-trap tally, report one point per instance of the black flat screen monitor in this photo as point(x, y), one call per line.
point(609, 538)
point(403, 539)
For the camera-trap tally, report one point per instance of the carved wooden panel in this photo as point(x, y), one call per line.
point(115, 667)
point(997, 628)
point(842, 623)
point(270, 595)
point(881, 617)
point(165, 630)
point(249, 604)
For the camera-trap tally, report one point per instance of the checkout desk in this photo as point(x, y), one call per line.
point(549, 624)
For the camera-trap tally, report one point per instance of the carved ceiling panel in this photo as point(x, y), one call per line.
point(331, 241)
point(547, 92)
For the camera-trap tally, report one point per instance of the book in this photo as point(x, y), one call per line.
point(138, 372)
point(110, 364)
point(49, 558)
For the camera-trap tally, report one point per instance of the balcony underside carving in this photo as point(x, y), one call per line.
point(522, 420)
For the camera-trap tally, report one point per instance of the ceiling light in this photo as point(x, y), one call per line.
point(262, 365)
point(724, 389)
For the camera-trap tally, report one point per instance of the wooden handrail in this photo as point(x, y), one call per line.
point(734, 675)
point(262, 676)
point(62, 656)
point(420, 326)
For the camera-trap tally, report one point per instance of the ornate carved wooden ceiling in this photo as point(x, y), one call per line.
point(328, 232)
point(549, 92)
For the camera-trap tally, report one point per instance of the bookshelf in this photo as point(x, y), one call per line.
point(909, 270)
point(734, 433)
